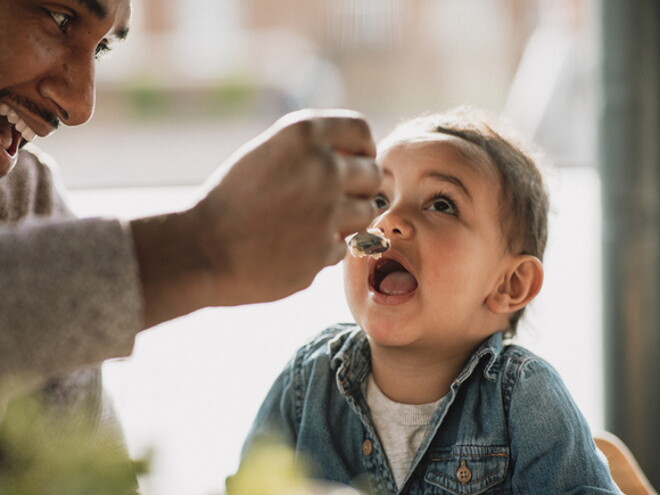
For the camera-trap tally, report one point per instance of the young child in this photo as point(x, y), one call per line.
point(423, 395)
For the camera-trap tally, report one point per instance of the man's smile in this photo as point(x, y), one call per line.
point(13, 133)
point(12, 129)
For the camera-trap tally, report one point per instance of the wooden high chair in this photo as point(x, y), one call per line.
point(623, 465)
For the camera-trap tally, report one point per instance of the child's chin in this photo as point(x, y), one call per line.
point(385, 335)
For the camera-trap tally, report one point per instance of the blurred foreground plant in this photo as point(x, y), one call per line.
point(272, 468)
point(41, 454)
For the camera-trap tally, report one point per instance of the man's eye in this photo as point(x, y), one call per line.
point(444, 205)
point(380, 202)
point(62, 20)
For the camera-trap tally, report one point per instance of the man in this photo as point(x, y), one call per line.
point(76, 292)
point(225, 250)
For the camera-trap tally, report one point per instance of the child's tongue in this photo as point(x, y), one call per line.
point(398, 282)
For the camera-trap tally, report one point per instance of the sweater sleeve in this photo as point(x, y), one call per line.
point(69, 297)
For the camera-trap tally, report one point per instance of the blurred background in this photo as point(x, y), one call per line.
point(198, 78)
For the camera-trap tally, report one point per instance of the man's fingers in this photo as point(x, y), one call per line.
point(353, 215)
point(340, 141)
point(337, 253)
point(350, 136)
point(345, 131)
point(361, 176)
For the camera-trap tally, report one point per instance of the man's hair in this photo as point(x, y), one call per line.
point(523, 199)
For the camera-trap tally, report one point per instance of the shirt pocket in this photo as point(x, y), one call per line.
point(468, 469)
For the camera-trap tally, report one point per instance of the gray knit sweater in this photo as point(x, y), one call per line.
point(69, 298)
point(69, 289)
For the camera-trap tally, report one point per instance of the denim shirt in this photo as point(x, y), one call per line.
point(508, 424)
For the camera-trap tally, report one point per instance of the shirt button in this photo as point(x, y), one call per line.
point(367, 447)
point(464, 474)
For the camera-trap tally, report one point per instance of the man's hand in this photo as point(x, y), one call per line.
point(269, 223)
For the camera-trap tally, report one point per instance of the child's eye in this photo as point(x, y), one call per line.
point(444, 204)
point(380, 202)
point(62, 20)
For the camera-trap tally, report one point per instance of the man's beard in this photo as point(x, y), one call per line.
point(32, 107)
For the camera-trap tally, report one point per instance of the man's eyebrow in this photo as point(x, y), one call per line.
point(100, 11)
point(452, 179)
point(95, 7)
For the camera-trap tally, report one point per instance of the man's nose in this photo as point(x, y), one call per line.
point(72, 87)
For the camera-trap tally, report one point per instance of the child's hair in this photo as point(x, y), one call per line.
point(524, 200)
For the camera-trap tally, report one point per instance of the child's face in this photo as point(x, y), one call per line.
point(441, 212)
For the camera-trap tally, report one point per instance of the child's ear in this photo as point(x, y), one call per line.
point(518, 286)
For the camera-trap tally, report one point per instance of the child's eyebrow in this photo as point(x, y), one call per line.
point(452, 179)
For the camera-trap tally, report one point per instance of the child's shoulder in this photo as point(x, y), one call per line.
point(519, 362)
point(516, 352)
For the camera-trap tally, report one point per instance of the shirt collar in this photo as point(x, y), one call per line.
point(350, 358)
point(488, 351)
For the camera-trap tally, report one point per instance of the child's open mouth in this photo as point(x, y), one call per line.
point(389, 277)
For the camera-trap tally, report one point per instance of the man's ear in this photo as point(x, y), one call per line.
point(518, 285)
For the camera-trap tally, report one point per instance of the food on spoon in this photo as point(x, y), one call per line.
point(368, 243)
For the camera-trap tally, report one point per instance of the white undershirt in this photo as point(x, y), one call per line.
point(400, 427)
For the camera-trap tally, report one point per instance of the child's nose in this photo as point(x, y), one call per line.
point(393, 223)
